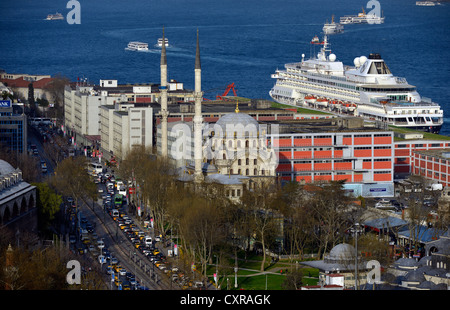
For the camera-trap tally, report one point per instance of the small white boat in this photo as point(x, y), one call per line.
point(137, 46)
point(425, 3)
point(160, 42)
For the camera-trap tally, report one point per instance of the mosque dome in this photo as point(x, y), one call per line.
point(415, 276)
point(341, 253)
point(232, 122)
point(5, 168)
point(406, 263)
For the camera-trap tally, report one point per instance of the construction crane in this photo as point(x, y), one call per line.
point(229, 87)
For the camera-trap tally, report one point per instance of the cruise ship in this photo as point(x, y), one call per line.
point(362, 18)
point(56, 16)
point(367, 89)
point(137, 46)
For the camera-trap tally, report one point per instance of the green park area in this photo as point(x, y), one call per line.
point(274, 276)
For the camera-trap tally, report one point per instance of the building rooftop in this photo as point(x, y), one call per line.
point(441, 153)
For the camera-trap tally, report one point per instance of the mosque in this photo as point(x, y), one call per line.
point(231, 152)
point(18, 210)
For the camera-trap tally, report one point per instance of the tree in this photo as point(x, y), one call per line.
point(157, 188)
point(71, 178)
point(48, 204)
point(297, 227)
point(294, 280)
point(55, 88)
point(418, 211)
point(202, 228)
point(260, 203)
point(327, 207)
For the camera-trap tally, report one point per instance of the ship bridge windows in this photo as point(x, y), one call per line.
point(398, 97)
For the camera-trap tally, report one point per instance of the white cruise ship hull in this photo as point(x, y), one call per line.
point(366, 90)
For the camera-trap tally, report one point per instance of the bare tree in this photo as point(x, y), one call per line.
point(327, 208)
point(260, 203)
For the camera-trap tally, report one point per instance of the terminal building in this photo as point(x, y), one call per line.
point(333, 150)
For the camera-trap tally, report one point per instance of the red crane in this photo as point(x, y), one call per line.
point(229, 87)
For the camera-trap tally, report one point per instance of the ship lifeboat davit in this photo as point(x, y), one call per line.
point(322, 102)
point(310, 99)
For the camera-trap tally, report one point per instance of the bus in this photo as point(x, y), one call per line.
point(95, 168)
point(121, 188)
point(118, 200)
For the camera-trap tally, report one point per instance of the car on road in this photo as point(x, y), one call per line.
point(72, 239)
point(100, 244)
point(101, 259)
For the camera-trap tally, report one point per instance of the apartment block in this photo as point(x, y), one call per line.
point(125, 125)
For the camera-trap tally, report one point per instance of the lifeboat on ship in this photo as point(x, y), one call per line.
point(310, 99)
point(322, 102)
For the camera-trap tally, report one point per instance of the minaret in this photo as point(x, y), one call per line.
point(198, 120)
point(163, 99)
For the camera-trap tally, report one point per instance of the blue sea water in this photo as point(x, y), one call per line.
point(242, 41)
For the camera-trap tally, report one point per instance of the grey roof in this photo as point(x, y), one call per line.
point(385, 222)
point(438, 272)
point(424, 260)
point(406, 262)
point(442, 245)
point(415, 276)
point(5, 168)
point(426, 285)
point(225, 179)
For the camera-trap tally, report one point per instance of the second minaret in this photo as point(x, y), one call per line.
point(198, 120)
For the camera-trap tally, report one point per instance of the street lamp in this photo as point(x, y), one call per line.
point(356, 230)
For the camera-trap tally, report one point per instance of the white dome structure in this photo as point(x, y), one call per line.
point(341, 254)
point(5, 168)
point(234, 121)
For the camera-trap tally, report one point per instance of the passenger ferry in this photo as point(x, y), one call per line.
point(333, 27)
point(160, 42)
point(137, 46)
point(362, 18)
point(56, 16)
point(367, 89)
point(425, 3)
